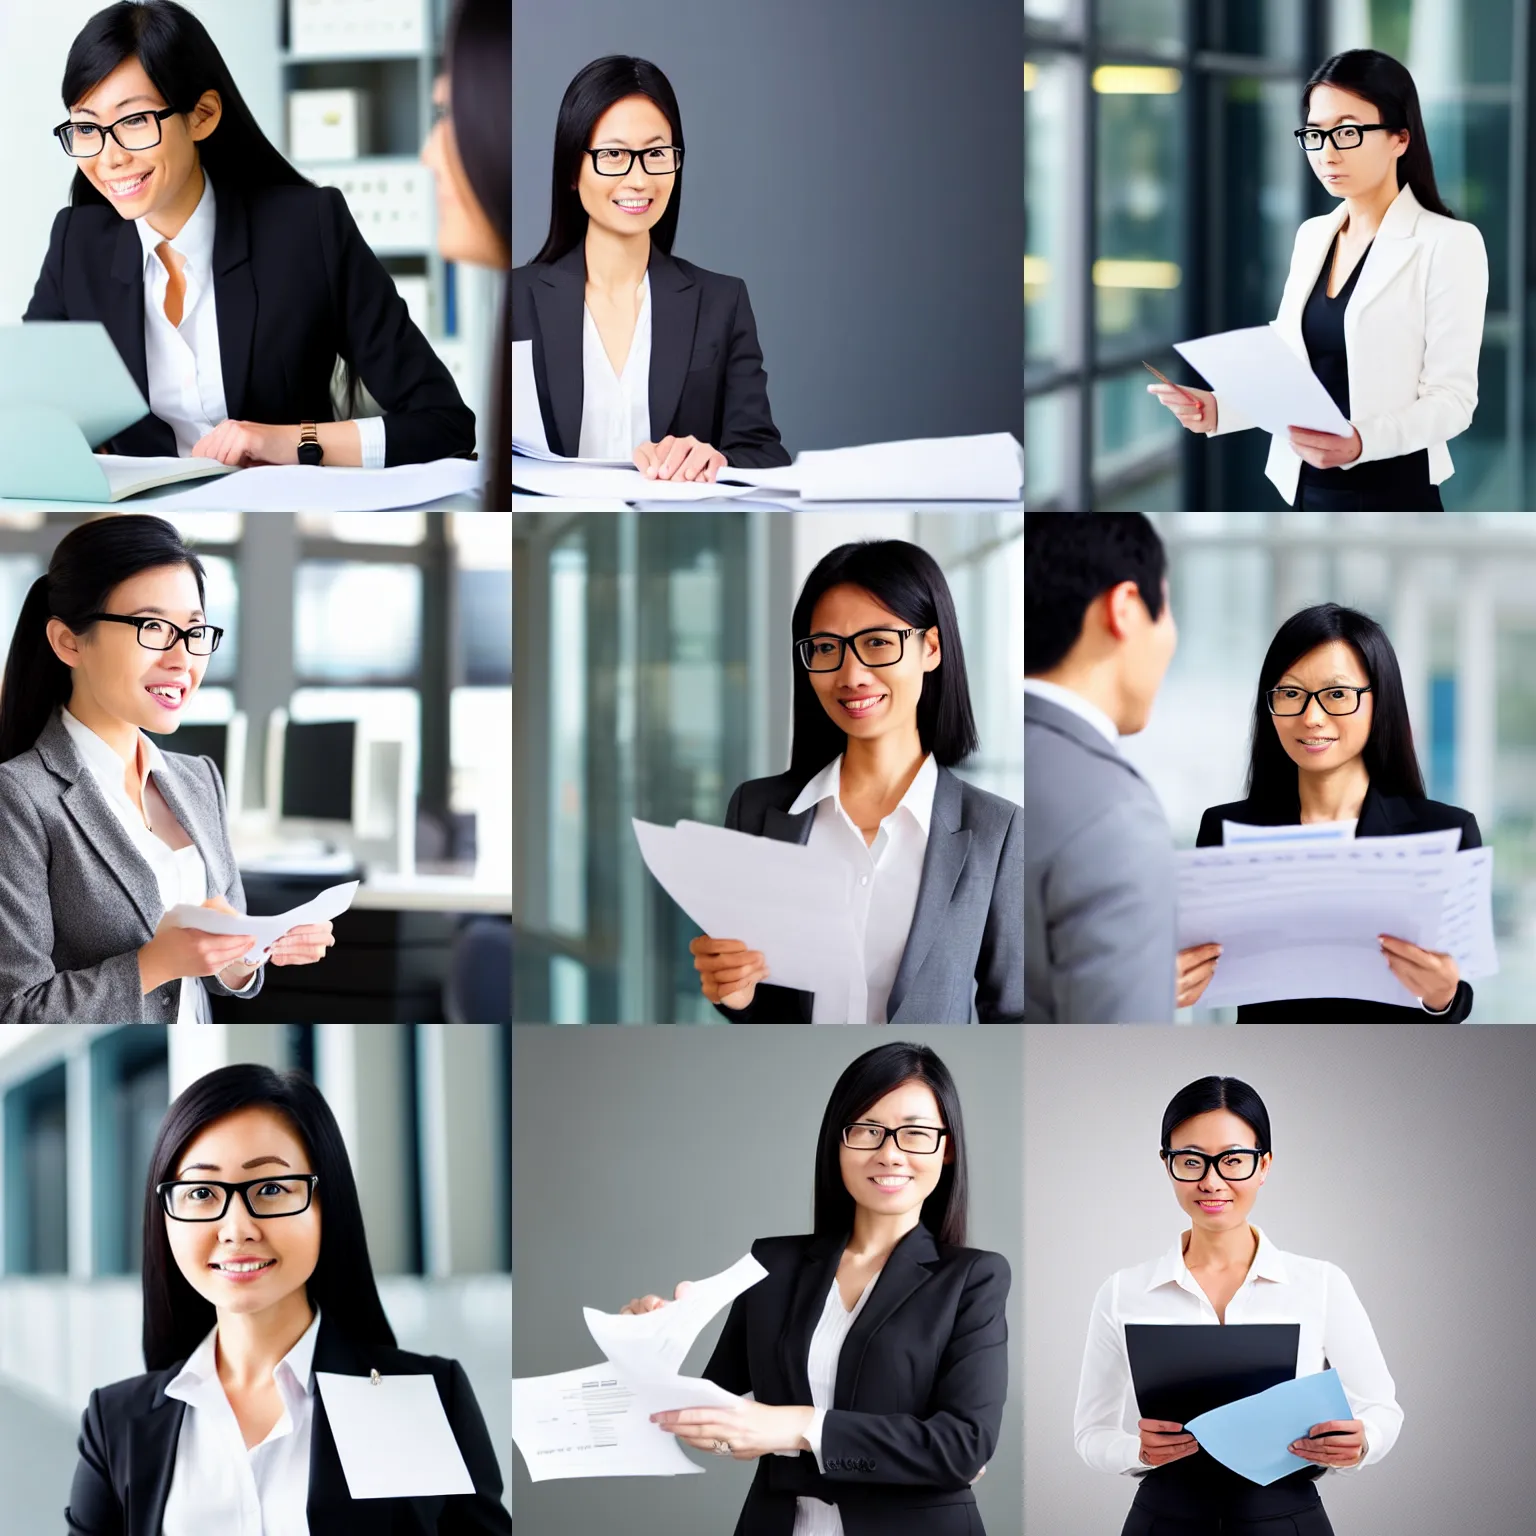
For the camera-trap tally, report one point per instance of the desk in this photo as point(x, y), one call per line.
point(523, 502)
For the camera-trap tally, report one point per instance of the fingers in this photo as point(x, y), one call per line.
point(704, 945)
point(1191, 960)
point(645, 459)
point(681, 1289)
point(659, 452)
point(641, 1305)
point(696, 462)
point(1160, 1426)
point(674, 452)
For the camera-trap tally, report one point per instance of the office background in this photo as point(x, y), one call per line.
point(653, 671)
point(641, 1158)
point(1163, 192)
point(857, 165)
point(425, 1112)
point(1401, 1155)
point(1457, 598)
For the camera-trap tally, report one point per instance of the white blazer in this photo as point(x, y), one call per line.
point(1413, 330)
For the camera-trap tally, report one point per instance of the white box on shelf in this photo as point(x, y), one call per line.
point(416, 290)
point(356, 27)
point(327, 125)
point(390, 199)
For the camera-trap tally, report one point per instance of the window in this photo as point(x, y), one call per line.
point(37, 1185)
point(338, 636)
point(130, 1085)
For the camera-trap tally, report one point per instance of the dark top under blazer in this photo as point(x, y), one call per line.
point(968, 925)
point(921, 1381)
point(130, 1431)
point(707, 378)
point(1380, 816)
point(296, 286)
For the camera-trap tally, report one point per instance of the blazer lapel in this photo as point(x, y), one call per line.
point(152, 1442)
point(1394, 247)
point(331, 1507)
point(125, 319)
point(818, 1269)
point(558, 302)
point(235, 293)
point(674, 314)
point(904, 1272)
point(787, 828)
point(1376, 814)
point(944, 858)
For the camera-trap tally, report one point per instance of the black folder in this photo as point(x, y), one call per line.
point(1182, 1370)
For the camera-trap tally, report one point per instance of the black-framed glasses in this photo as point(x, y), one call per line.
point(1296, 701)
point(139, 130)
point(162, 635)
point(879, 647)
point(1345, 136)
point(1234, 1165)
point(287, 1194)
point(658, 160)
point(866, 1136)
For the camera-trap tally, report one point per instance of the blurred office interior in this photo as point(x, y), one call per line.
point(1457, 598)
point(653, 676)
point(359, 708)
point(426, 1114)
point(1163, 190)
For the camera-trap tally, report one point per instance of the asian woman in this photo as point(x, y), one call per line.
point(1217, 1151)
point(1384, 301)
point(637, 354)
point(882, 713)
point(230, 284)
point(1332, 741)
point(256, 1278)
point(875, 1349)
point(103, 832)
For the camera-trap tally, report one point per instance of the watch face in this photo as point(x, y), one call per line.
point(310, 453)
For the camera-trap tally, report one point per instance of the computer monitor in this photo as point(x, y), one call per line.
point(224, 743)
point(317, 770)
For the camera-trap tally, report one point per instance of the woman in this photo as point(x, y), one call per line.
point(470, 156)
point(1217, 1151)
point(256, 1278)
point(1332, 742)
point(637, 354)
point(875, 1349)
point(103, 832)
point(1385, 300)
point(881, 714)
point(229, 283)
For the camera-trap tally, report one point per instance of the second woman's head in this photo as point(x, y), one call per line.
point(1216, 1149)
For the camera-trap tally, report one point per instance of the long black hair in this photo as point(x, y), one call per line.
point(1208, 1093)
point(865, 1081)
point(176, 1317)
point(587, 97)
point(1387, 85)
point(479, 61)
point(1388, 756)
point(907, 581)
point(182, 61)
point(88, 562)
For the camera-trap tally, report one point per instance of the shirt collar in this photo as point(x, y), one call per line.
point(202, 1366)
point(1268, 1264)
point(102, 759)
point(194, 242)
point(1079, 706)
point(918, 799)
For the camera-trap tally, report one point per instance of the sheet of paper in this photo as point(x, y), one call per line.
point(125, 471)
point(298, 487)
point(527, 421)
point(788, 900)
point(564, 477)
point(330, 903)
point(1257, 372)
point(1466, 919)
point(988, 467)
point(393, 1437)
point(1233, 832)
point(1251, 1435)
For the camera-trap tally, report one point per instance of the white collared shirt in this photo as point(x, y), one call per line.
point(1278, 1288)
point(616, 408)
point(179, 871)
point(219, 1485)
point(1054, 693)
point(887, 875)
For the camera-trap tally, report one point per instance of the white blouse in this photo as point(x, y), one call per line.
point(219, 1485)
point(1278, 1288)
point(616, 407)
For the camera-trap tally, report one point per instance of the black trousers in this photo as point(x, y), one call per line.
point(1261, 1512)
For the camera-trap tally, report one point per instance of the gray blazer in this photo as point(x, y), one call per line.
point(964, 958)
point(1100, 898)
point(78, 900)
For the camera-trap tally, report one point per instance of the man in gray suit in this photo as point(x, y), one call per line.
point(1099, 883)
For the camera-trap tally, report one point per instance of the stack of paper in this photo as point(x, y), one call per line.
point(572, 477)
point(989, 467)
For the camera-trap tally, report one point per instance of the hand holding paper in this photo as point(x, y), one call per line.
point(330, 903)
point(1250, 1435)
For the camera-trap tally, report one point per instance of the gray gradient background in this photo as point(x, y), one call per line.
point(887, 296)
point(641, 1157)
point(1437, 1246)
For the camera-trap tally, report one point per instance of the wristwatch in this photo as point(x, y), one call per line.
point(310, 451)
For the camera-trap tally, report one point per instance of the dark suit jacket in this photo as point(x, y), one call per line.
point(1380, 816)
point(968, 926)
point(130, 1430)
point(296, 287)
point(707, 378)
point(921, 1382)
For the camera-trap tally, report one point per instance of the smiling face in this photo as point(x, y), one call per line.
point(629, 204)
point(1359, 171)
point(890, 1182)
point(1317, 741)
point(216, 1256)
point(1214, 1203)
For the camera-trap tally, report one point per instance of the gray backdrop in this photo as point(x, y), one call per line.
point(886, 286)
point(1403, 1153)
point(641, 1157)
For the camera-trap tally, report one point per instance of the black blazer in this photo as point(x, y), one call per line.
point(296, 287)
point(921, 1382)
point(1380, 816)
point(968, 925)
point(129, 1434)
point(707, 378)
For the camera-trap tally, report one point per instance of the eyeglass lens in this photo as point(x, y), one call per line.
point(207, 1202)
point(874, 647)
point(663, 160)
point(910, 1138)
point(1189, 1167)
point(155, 636)
point(1293, 701)
point(1345, 136)
point(141, 131)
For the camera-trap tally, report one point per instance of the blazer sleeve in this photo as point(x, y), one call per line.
point(947, 1447)
point(31, 991)
point(94, 1508)
point(233, 893)
point(424, 416)
point(48, 295)
point(1000, 965)
point(749, 439)
point(1210, 833)
point(480, 1513)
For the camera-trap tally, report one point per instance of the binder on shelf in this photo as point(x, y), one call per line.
point(356, 28)
point(327, 125)
point(391, 199)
